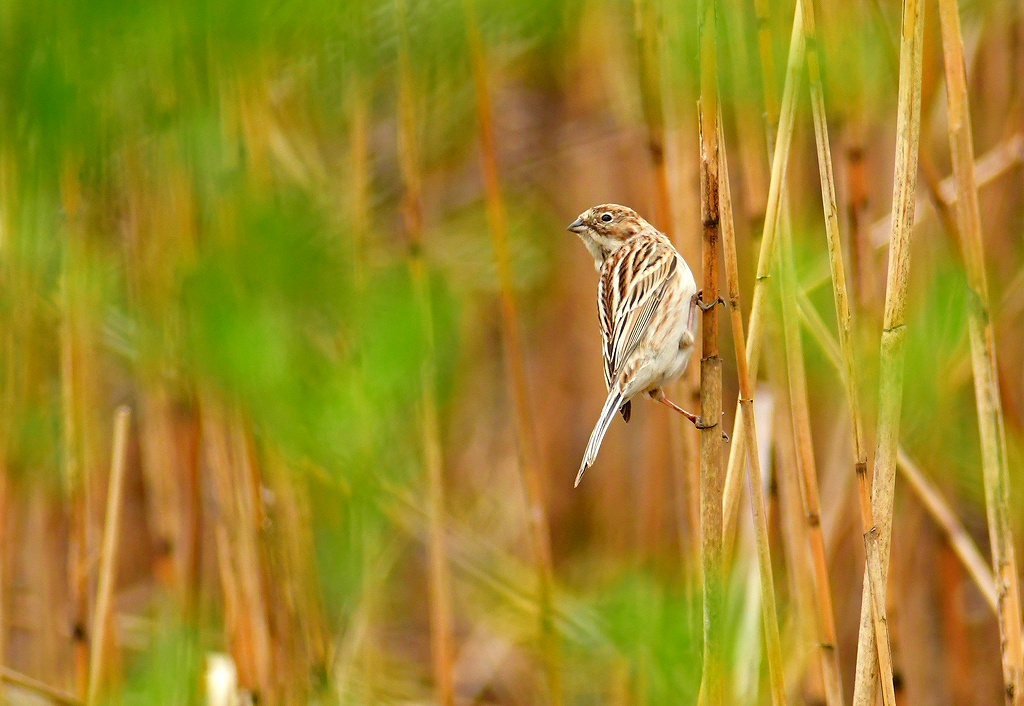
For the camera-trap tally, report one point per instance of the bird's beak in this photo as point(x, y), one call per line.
point(577, 226)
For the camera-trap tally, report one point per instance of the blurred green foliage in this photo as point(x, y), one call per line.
point(656, 628)
point(135, 185)
point(170, 670)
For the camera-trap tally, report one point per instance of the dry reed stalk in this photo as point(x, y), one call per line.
point(108, 552)
point(6, 417)
point(958, 661)
point(537, 518)
point(169, 449)
point(159, 453)
point(159, 236)
point(855, 162)
point(45, 570)
point(7, 412)
point(766, 255)
point(53, 694)
point(795, 535)
point(750, 122)
point(4, 545)
point(807, 468)
point(710, 422)
point(769, 614)
point(960, 540)
point(153, 425)
point(991, 425)
point(746, 640)
point(778, 204)
point(995, 163)
point(916, 620)
point(76, 469)
point(238, 513)
point(301, 633)
point(849, 374)
point(890, 397)
point(439, 595)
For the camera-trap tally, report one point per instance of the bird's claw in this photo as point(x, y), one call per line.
point(708, 306)
point(700, 424)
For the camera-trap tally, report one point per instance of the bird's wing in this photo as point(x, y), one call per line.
point(631, 288)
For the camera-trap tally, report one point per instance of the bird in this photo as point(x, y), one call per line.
point(647, 304)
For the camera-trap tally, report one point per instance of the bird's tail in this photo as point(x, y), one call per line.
point(611, 406)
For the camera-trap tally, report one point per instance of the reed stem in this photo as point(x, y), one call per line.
point(711, 441)
point(845, 324)
point(991, 425)
point(766, 256)
point(54, 694)
point(893, 344)
point(108, 552)
point(75, 469)
point(529, 463)
point(755, 481)
point(236, 531)
point(440, 572)
point(808, 469)
point(777, 216)
point(959, 539)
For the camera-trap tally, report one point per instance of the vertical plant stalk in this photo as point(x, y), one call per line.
point(893, 344)
point(824, 616)
point(849, 373)
point(515, 364)
point(956, 534)
point(769, 614)
point(440, 602)
point(159, 237)
point(162, 470)
point(795, 534)
point(858, 216)
point(7, 412)
point(108, 552)
point(776, 217)
point(75, 466)
point(807, 467)
point(4, 543)
point(711, 442)
point(766, 256)
point(299, 622)
point(236, 529)
point(991, 425)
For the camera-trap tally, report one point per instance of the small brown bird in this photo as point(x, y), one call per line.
point(647, 302)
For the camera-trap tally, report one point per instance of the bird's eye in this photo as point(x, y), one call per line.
point(607, 218)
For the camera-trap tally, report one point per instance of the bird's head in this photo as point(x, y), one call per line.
point(605, 228)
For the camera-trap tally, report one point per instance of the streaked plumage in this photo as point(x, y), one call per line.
point(646, 302)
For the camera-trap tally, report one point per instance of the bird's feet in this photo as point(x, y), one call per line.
point(707, 306)
point(659, 396)
point(700, 424)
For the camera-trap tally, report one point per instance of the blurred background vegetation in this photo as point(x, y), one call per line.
point(262, 227)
